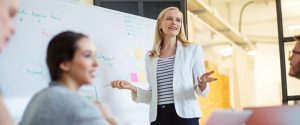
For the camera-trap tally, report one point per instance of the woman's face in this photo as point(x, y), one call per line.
point(82, 67)
point(8, 12)
point(171, 23)
point(295, 62)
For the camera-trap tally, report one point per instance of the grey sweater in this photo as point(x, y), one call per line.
point(57, 105)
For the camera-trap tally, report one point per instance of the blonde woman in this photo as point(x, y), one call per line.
point(175, 71)
point(8, 12)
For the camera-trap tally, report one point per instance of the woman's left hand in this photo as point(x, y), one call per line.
point(204, 79)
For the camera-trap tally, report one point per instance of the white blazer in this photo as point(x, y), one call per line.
point(188, 65)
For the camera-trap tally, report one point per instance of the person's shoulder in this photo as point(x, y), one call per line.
point(70, 98)
point(148, 56)
point(49, 94)
point(56, 92)
point(59, 97)
point(44, 98)
point(192, 46)
point(63, 93)
point(60, 102)
point(42, 94)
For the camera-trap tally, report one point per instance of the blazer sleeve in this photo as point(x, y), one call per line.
point(144, 96)
point(198, 70)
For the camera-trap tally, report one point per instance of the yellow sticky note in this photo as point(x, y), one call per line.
point(129, 52)
point(139, 53)
point(142, 77)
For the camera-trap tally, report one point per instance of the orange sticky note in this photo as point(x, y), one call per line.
point(142, 77)
point(138, 53)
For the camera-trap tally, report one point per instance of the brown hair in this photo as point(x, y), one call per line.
point(61, 48)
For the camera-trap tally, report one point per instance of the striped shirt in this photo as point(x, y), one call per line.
point(164, 73)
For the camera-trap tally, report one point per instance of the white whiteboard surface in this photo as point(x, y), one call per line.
point(121, 40)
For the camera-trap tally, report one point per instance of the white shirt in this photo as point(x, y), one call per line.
point(189, 64)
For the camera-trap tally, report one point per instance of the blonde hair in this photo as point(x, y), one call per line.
point(159, 34)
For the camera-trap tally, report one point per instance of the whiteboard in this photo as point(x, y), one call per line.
point(121, 40)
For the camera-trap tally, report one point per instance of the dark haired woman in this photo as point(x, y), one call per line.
point(72, 63)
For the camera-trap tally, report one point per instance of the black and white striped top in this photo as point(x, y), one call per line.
point(164, 73)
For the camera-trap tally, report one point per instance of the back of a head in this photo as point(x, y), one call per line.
point(228, 117)
point(61, 48)
point(275, 115)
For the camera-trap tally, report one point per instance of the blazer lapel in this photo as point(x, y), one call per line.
point(177, 63)
point(178, 56)
point(153, 66)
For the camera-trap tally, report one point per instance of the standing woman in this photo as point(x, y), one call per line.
point(72, 62)
point(175, 71)
point(8, 12)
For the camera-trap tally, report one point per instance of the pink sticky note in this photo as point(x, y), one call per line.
point(134, 77)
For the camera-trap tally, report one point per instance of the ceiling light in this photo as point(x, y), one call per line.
point(291, 2)
point(294, 27)
point(252, 52)
point(226, 51)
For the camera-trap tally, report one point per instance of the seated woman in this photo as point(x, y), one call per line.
point(72, 62)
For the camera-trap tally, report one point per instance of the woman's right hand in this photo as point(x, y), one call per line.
point(122, 84)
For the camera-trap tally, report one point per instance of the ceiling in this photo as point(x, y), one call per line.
point(259, 20)
point(258, 24)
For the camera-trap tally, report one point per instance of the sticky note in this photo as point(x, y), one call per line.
point(89, 92)
point(139, 53)
point(134, 77)
point(129, 52)
point(142, 77)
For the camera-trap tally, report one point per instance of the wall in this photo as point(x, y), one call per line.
point(267, 75)
point(242, 78)
point(218, 96)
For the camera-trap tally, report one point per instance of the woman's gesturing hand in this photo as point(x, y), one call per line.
point(205, 78)
point(122, 84)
